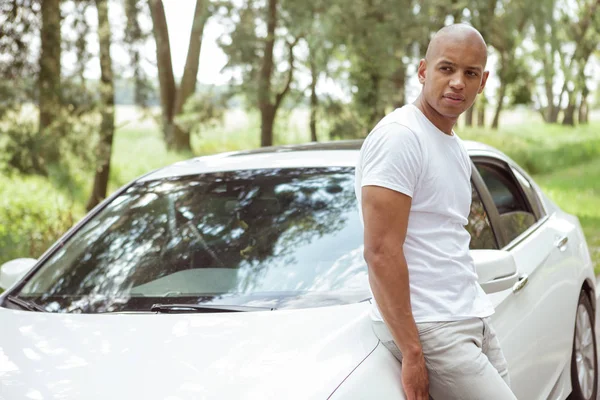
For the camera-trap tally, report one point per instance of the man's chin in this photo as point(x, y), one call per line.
point(451, 112)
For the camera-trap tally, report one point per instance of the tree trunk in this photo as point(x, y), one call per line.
point(266, 72)
point(107, 97)
point(481, 111)
point(583, 106)
point(469, 116)
point(376, 113)
point(187, 87)
point(314, 101)
point(267, 119)
point(399, 84)
point(165, 68)
point(569, 114)
point(267, 106)
point(550, 99)
point(49, 77)
point(501, 95)
point(553, 113)
point(583, 111)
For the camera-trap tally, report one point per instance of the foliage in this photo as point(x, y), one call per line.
point(33, 214)
point(378, 38)
point(345, 123)
point(202, 110)
point(19, 22)
point(71, 137)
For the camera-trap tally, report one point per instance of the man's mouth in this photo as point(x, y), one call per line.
point(454, 97)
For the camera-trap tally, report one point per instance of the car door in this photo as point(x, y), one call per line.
point(532, 320)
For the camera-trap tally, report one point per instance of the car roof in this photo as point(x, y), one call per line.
point(343, 153)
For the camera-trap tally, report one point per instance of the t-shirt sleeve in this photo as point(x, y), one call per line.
point(392, 158)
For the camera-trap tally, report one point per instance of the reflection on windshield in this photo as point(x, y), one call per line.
point(271, 235)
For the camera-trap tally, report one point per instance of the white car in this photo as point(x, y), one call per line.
point(241, 276)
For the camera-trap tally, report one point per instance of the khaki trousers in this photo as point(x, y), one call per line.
point(463, 358)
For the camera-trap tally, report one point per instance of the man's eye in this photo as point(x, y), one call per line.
point(445, 69)
point(472, 73)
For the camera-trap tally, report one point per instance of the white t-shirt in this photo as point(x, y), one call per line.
point(405, 152)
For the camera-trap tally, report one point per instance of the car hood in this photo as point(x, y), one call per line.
point(302, 354)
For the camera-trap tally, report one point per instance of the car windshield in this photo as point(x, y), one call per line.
point(278, 238)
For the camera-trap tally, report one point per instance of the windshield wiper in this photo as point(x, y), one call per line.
point(208, 308)
point(28, 305)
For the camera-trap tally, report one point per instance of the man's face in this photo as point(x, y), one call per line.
point(452, 76)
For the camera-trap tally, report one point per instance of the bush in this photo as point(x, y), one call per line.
point(70, 142)
point(33, 215)
point(543, 148)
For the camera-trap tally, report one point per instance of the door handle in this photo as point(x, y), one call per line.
point(562, 243)
point(523, 279)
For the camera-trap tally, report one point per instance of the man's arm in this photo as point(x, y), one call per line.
point(385, 215)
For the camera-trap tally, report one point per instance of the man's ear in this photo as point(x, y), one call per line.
point(483, 81)
point(422, 71)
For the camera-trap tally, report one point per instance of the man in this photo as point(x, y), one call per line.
point(413, 183)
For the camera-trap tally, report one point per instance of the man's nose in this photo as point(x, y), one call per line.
point(457, 81)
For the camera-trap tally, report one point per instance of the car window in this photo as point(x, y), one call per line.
point(530, 192)
point(515, 212)
point(482, 236)
point(283, 238)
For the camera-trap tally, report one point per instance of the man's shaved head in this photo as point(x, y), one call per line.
point(452, 74)
point(457, 33)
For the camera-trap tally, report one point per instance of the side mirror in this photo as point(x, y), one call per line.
point(12, 271)
point(496, 269)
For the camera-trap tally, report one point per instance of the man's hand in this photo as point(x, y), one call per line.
point(415, 378)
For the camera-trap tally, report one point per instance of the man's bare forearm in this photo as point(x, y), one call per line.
point(389, 279)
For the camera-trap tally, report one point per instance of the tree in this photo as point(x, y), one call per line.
point(50, 67)
point(107, 96)
point(585, 40)
point(134, 40)
point(19, 22)
point(172, 97)
point(482, 15)
point(506, 36)
point(314, 100)
point(319, 53)
point(561, 41)
point(582, 77)
point(380, 39)
point(63, 127)
point(268, 108)
point(258, 29)
point(547, 41)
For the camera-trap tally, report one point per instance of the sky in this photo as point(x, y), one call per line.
point(179, 15)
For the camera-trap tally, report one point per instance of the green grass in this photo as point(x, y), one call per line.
point(137, 151)
point(241, 131)
point(577, 191)
point(542, 148)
